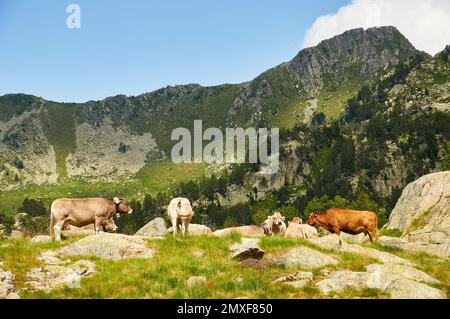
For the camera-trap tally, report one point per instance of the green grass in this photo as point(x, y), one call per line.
point(390, 233)
point(165, 275)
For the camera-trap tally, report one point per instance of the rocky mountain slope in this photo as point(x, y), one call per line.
point(41, 141)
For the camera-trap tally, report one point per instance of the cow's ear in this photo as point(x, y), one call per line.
point(116, 200)
point(269, 217)
point(283, 218)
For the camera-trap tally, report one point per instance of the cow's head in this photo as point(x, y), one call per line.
point(296, 220)
point(312, 220)
point(111, 226)
point(277, 218)
point(122, 206)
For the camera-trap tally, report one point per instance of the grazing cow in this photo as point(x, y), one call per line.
point(180, 214)
point(84, 211)
point(274, 225)
point(352, 222)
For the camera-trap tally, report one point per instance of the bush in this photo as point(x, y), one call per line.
point(33, 207)
point(36, 225)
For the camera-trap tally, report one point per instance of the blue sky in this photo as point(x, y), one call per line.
point(132, 47)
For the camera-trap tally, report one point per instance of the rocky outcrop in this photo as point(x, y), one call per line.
point(7, 289)
point(307, 258)
point(155, 228)
point(397, 281)
point(297, 280)
point(56, 273)
point(109, 246)
point(423, 214)
point(247, 249)
point(234, 195)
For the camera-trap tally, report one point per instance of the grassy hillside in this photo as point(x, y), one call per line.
point(156, 177)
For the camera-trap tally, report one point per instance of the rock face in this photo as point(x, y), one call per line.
point(109, 246)
point(342, 279)
point(56, 273)
point(155, 228)
point(398, 281)
point(7, 289)
point(247, 249)
point(297, 280)
point(196, 230)
point(305, 257)
point(423, 214)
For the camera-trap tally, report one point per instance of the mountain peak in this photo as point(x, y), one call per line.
point(364, 51)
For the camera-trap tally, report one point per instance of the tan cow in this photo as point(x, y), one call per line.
point(351, 222)
point(250, 230)
point(295, 230)
point(84, 211)
point(180, 214)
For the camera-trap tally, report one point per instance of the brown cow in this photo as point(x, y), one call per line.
point(84, 211)
point(352, 222)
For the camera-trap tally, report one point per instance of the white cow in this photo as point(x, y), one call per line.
point(180, 214)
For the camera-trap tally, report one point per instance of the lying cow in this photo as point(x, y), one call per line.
point(251, 230)
point(84, 211)
point(274, 225)
point(180, 214)
point(296, 220)
point(352, 222)
point(299, 230)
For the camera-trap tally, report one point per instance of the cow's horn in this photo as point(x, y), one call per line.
point(116, 200)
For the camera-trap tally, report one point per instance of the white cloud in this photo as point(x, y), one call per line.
point(426, 23)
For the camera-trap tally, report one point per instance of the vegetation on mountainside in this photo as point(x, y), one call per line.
point(165, 275)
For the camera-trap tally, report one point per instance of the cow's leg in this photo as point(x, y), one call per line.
point(57, 229)
point(174, 226)
point(185, 223)
point(337, 231)
point(372, 235)
point(183, 227)
point(98, 225)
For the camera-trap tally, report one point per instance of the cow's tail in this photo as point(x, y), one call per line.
point(52, 223)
